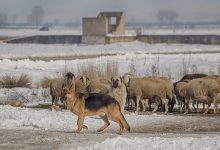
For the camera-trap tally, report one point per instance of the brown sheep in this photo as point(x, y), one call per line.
point(82, 83)
point(147, 88)
point(179, 94)
point(185, 78)
point(201, 90)
point(99, 85)
point(56, 87)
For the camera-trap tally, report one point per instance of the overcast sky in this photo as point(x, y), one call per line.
point(136, 10)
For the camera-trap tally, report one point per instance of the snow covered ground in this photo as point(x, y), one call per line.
point(46, 129)
point(147, 131)
point(149, 143)
point(58, 50)
point(77, 31)
point(40, 60)
point(29, 32)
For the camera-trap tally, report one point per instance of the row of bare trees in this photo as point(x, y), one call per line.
point(167, 17)
point(35, 18)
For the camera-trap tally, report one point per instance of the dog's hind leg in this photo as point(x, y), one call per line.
point(116, 116)
point(106, 123)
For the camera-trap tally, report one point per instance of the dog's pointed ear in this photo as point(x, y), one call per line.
point(87, 78)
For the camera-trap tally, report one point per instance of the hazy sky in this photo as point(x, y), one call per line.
point(136, 10)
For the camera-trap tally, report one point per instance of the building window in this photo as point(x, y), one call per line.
point(113, 20)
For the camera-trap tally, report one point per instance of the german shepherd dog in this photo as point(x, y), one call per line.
point(94, 104)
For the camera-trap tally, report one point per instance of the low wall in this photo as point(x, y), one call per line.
point(49, 39)
point(116, 39)
point(93, 39)
point(78, 39)
point(179, 39)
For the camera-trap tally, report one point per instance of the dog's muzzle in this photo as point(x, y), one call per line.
point(115, 84)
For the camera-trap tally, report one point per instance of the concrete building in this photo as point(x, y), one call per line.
point(96, 29)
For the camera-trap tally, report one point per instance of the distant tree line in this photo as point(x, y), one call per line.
point(167, 17)
point(3, 19)
point(36, 17)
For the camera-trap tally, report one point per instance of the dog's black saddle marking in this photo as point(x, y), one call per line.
point(95, 101)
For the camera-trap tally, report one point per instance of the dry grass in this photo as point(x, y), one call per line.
point(45, 82)
point(108, 70)
point(24, 81)
point(10, 81)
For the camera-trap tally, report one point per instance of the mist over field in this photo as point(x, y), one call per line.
point(136, 11)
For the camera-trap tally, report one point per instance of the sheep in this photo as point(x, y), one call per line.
point(201, 90)
point(179, 94)
point(82, 83)
point(186, 78)
point(99, 85)
point(56, 85)
point(147, 88)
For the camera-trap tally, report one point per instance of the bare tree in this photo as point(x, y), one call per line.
point(14, 18)
point(37, 15)
point(3, 19)
point(167, 16)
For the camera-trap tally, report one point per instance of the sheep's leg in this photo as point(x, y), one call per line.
point(56, 100)
point(180, 103)
point(215, 106)
point(144, 104)
point(128, 101)
point(157, 103)
point(197, 106)
point(186, 106)
point(149, 104)
point(207, 109)
point(203, 107)
point(53, 99)
point(137, 103)
point(166, 102)
point(193, 105)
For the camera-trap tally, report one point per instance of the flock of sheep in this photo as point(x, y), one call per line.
point(138, 92)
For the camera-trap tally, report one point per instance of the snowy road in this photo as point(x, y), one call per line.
point(38, 139)
point(26, 128)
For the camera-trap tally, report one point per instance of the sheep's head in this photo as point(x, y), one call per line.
point(85, 80)
point(126, 78)
point(70, 75)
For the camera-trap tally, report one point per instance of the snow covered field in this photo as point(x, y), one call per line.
point(61, 50)
point(22, 128)
point(39, 60)
point(30, 32)
point(78, 31)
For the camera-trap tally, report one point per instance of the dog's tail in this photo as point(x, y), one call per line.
point(123, 121)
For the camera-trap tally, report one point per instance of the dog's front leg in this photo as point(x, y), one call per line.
point(80, 123)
